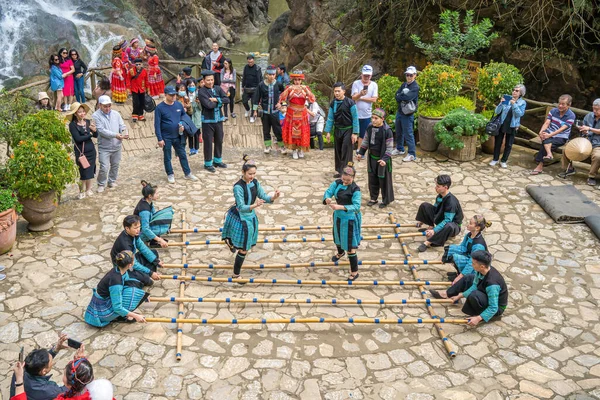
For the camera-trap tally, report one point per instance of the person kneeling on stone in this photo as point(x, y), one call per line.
point(153, 223)
point(460, 254)
point(444, 217)
point(485, 292)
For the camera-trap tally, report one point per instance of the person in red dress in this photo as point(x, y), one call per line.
point(296, 130)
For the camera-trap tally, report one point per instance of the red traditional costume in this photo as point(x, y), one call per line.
point(155, 78)
point(118, 84)
point(296, 130)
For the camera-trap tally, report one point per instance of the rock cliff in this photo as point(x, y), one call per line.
point(243, 16)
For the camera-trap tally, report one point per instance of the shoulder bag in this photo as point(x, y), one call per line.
point(492, 128)
point(83, 161)
point(408, 107)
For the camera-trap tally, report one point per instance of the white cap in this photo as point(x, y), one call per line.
point(367, 70)
point(104, 100)
point(410, 70)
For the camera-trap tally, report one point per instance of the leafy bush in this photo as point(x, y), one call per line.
point(495, 80)
point(322, 100)
point(36, 167)
point(439, 110)
point(44, 125)
point(452, 42)
point(438, 83)
point(12, 109)
point(460, 122)
point(8, 200)
point(388, 85)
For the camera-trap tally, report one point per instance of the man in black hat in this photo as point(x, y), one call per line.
point(250, 80)
point(211, 98)
point(186, 73)
point(267, 95)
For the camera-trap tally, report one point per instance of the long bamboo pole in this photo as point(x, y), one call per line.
point(292, 228)
point(309, 320)
point(432, 313)
point(315, 264)
point(380, 301)
point(300, 240)
point(181, 309)
point(302, 282)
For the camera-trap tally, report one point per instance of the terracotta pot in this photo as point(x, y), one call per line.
point(40, 212)
point(488, 146)
point(468, 152)
point(427, 140)
point(8, 229)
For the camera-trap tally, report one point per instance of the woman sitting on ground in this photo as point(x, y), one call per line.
point(154, 223)
point(460, 254)
point(116, 296)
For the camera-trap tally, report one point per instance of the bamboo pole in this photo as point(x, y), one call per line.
point(300, 240)
point(535, 110)
point(180, 311)
point(552, 105)
point(308, 320)
point(302, 282)
point(291, 228)
point(379, 301)
point(415, 275)
point(528, 131)
point(315, 264)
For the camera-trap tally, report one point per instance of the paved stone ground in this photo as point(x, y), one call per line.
point(546, 346)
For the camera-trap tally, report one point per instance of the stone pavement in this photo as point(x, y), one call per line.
point(546, 346)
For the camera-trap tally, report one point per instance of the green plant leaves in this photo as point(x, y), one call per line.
point(458, 123)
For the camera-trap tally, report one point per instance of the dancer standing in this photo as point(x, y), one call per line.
point(347, 219)
point(118, 84)
point(240, 231)
point(267, 96)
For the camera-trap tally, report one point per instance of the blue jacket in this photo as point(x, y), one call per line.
point(518, 110)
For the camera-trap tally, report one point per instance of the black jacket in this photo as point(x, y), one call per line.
point(412, 95)
point(211, 111)
point(261, 95)
point(80, 67)
point(38, 387)
point(252, 76)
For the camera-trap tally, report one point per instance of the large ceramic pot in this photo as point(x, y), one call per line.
point(468, 152)
point(8, 229)
point(427, 139)
point(40, 212)
point(488, 146)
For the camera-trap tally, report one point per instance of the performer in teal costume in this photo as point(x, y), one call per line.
point(460, 254)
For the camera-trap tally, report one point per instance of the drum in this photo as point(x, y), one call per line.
point(578, 149)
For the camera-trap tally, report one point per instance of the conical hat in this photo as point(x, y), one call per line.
point(578, 149)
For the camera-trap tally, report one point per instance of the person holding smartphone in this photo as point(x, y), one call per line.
point(364, 93)
point(511, 109)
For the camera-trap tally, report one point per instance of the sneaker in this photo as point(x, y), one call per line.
point(284, 150)
point(267, 150)
point(233, 115)
point(301, 154)
point(591, 182)
point(569, 172)
point(210, 168)
point(190, 177)
point(192, 152)
point(220, 165)
point(493, 163)
point(246, 114)
point(171, 179)
point(134, 118)
point(225, 119)
point(503, 165)
point(89, 193)
point(396, 152)
point(68, 107)
point(101, 189)
point(2, 268)
point(112, 184)
point(409, 158)
point(252, 119)
point(295, 154)
point(2, 277)
point(81, 195)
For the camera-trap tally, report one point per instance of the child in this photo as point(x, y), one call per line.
point(43, 101)
point(57, 82)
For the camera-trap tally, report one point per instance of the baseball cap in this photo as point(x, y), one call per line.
point(170, 90)
point(411, 70)
point(104, 100)
point(367, 70)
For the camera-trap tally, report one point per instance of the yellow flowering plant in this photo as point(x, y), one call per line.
point(495, 80)
point(438, 83)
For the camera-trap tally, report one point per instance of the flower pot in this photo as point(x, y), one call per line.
point(427, 140)
point(468, 152)
point(40, 212)
point(8, 229)
point(488, 146)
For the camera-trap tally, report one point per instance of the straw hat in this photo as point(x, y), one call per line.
point(578, 149)
point(74, 108)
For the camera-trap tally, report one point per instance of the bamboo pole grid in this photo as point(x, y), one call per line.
point(425, 300)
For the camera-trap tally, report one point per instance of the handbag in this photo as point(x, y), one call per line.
point(408, 107)
point(83, 161)
point(149, 104)
point(492, 128)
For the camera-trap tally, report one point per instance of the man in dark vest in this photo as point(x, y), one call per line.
point(485, 292)
point(343, 118)
point(267, 96)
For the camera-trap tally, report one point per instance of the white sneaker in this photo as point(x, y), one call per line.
point(503, 165)
point(267, 150)
point(101, 189)
point(409, 158)
point(190, 177)
point(89, 193)
point(396, 152)
point(68, 107)
point(295, 154)
point(171, 178)
point(492, 163)
point(246, 114)
point(112, 184)
point(81, 195)
point(252, 119)
point(284, 150)
point(301, 154)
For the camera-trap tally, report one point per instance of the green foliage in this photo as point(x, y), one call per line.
point(438, 110)
point(452, 41)
point(36, 167)
point(44, 125)
point(388, 85)
point(438, 83)
point(337, 63)
point(495, 80)
point(458, 123)
point(321, 98)
point(13, 108)
point(8, 200)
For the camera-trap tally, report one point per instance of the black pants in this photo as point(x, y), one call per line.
point(271, 122)
point(194, 141)
point(247, 97)
point(477, 301)
point(231, 101)
point(426, 215)
point(138, 103)
point(313, 134)
point(510, 139)
point(343, 148)
point(140, 276)
point(212, 134)
point(217, 78)
point(556, 143)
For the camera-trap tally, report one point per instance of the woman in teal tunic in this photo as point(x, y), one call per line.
point(347, 218)
point(240, 231)
point(460, 254)
point(154, 223)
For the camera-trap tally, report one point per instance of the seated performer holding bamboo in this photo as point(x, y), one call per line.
point(347, 219)
point(485, 291)
point(444, 217)
point(240, 231)
point(145, 260)
point(460, 254)
point(117, 295)
point(153, 223)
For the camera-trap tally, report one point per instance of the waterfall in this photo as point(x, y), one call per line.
point(13, 16)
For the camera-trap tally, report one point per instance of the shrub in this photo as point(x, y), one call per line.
point(8, 200)
point(495, 80)
point(388, 85)
point(321, 98)
point(36, 167)
point(439, 110)
point(438, 83)
point(44, 125)
point(12, 109)
point(460, 122)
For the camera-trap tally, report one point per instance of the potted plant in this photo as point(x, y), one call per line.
point(9, 206)
point(461, 131)
point(438, 83)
